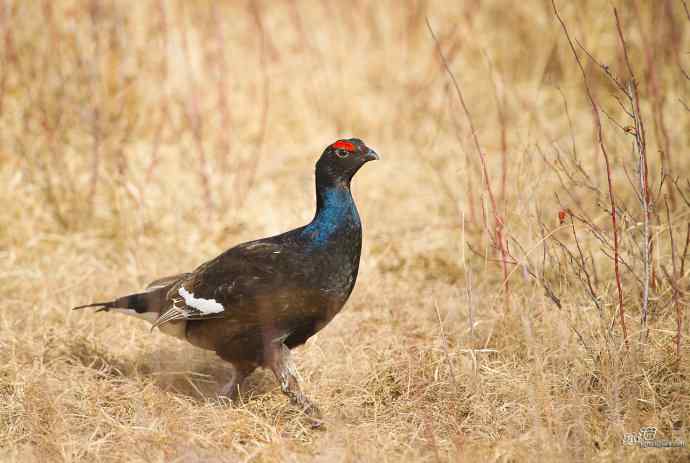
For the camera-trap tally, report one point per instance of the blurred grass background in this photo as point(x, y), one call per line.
point(141, 139)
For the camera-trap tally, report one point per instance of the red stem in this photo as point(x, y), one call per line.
point(602, 147)
point(498, 222)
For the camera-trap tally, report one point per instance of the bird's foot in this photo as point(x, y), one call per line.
point(306, 406)
point(312, 410)
point(280, 362)
point(313, 413)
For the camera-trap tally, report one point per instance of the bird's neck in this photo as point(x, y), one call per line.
point(335, 212)
point(332, 194)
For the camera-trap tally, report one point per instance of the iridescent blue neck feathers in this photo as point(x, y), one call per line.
point(335, 213)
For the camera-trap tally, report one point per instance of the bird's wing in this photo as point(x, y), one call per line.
point(166, 281)
point(242, 273)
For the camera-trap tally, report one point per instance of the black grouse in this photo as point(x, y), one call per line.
point(258, 300)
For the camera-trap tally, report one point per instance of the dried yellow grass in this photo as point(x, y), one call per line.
point(139, 139)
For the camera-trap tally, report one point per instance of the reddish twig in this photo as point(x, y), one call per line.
point(602, 147)
point(657, 99)
point(503, 123)
point(685, 251)
point(641, 144)
point(498, 222)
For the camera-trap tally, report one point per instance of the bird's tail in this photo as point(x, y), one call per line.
point(102, 306)
point(138, 303)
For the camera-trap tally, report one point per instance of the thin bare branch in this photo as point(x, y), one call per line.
point(498, 221)
point(641, 144)
point(602, 147)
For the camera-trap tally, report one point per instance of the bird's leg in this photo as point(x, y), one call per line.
point(240, 371)
point(280, 362)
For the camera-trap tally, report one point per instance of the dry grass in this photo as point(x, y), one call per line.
point(138, 139)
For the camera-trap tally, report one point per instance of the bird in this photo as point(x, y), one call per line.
point(258, 300)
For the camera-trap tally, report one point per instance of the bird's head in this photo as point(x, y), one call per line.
point(342, 159)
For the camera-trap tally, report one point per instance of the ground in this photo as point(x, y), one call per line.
point(140, 139)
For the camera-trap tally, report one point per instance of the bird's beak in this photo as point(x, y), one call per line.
point(371, 155)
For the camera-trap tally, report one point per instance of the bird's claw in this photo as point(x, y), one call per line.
point(313, 414)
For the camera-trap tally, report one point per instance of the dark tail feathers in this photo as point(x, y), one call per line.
point(102, 306)
point(139, 302)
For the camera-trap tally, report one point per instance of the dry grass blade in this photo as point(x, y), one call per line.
point(140, 139)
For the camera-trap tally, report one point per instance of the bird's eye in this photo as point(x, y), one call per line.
point(341, 153)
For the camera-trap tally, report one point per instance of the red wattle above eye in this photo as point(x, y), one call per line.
point(345, 145)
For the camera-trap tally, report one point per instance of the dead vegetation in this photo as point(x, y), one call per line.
point(524, 285)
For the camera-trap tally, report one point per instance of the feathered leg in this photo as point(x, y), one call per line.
point(279, 360)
